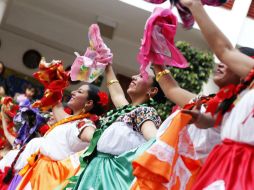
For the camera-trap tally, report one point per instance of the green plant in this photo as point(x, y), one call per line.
point(192, 78)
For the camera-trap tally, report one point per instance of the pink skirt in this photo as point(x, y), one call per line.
point(229, 166)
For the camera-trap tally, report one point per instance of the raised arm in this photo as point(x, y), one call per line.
point(115, 89)
point(8, 136)
point(171, 88)
point(239, 63)
point(59, 113)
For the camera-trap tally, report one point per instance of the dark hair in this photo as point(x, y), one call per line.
point(3, 70)
point(159, 97)
point(226, 104)
point(30, 87)
point(93, 91)
point(247, 51)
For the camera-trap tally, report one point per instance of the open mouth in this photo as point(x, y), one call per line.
point(132, 83)
point(218, 71)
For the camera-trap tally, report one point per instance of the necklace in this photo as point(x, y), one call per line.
point(69, 119)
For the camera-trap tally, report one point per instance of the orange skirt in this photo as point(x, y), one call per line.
point(47, 174)
point(162, 166)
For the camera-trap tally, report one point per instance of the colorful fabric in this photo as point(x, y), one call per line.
point(170, 162)
point(58, 158)
point(158, 41)
point(54, 79)
point(30, 120)
point(11, 109)
point(225, 98)
point(230, 166)
point(184, 12)
point(138, 116)
point(48, 174)
point(104, 123)
point(106, 171)
point(93, 63)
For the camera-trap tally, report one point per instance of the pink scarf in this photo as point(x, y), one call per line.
point(185, 13)
point(93, 63)
point(158, 42)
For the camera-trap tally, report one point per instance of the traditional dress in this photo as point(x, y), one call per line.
point(110, 164)
point(175, 158)
point(230, 166)
point(49, 170)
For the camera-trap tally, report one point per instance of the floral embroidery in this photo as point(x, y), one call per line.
point(138, 116)
point(80, 124)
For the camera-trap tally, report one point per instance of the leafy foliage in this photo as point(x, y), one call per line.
point(191, 78)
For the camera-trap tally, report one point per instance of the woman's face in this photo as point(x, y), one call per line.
point(224, 76)
point(30, 92)
point(139, 86)
point(79, 98)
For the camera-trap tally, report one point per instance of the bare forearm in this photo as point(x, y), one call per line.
point(171, 88)
point(8, 136)
point(215, 38)
point(239, 63)
point(115, 89)
point(59, 113)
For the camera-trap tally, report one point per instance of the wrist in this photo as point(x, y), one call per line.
point(195, 5)
point(161, 73)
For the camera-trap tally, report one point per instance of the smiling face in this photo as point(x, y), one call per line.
point(224, 76)
point(139, 87)
point(79, 98)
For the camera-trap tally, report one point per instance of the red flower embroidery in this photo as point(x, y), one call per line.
point(81, 124)
point(103, 98)
point(43, 129)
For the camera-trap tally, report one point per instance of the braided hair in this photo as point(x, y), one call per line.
point(227, 103)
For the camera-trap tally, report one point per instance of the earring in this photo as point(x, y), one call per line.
point(83, 110)
point(149, 95)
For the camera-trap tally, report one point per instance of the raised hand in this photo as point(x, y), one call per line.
point(189, 3)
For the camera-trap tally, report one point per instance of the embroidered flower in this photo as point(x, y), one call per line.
point(81, 124)
point(43, 129)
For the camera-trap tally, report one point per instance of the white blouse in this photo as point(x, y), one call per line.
point(125, 133)
point(119, 138)
point(60, 143)
point(238, 125)
point(63, 141)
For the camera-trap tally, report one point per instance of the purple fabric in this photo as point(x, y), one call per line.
point(27, 129)
point(15, 182)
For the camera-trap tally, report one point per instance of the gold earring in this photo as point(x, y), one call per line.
point(84, 110)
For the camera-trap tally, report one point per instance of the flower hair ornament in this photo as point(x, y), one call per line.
point(184, 12)
point(103, 99)
point(93, 63)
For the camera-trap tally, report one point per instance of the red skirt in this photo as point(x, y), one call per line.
point(232, 162)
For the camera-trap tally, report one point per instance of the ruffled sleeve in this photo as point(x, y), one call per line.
point(75, 143)
point(143, 114)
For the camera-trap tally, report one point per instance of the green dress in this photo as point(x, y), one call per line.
point(107, 164)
